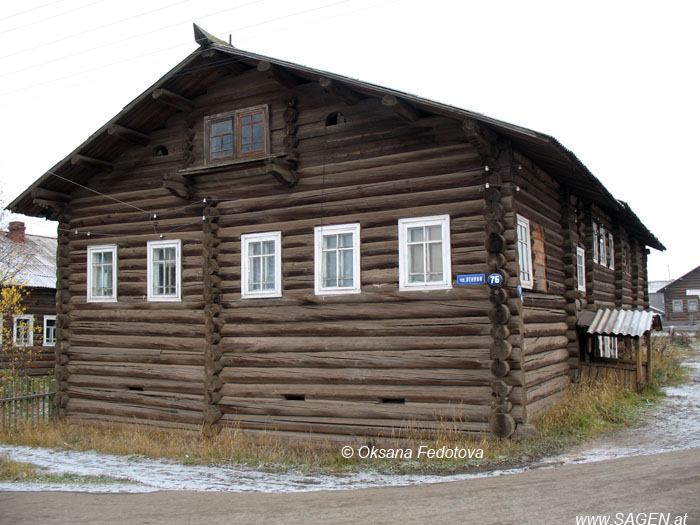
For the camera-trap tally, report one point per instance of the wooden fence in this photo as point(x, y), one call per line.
point(26, 399)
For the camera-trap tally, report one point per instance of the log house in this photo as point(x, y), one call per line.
point(287, 244)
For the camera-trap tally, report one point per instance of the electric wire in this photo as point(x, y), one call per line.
point(52, 17)
point(31, 10)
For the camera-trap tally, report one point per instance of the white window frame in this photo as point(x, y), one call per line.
point(527, 279)
point(434, 220)
point(27, 317)
point(151, 245)
point(677, 302)
point(595, 242)
point(246, 239)
point(49, 342)
point(602, 247)
point(581, 268)
point(319, 232)
point(693, 302)
point(234, 117)
point(111, 248)
point(611, 251)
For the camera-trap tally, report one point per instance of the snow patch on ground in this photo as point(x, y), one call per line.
point(675, 425)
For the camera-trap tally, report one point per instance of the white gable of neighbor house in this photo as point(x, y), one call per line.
point(692, 292)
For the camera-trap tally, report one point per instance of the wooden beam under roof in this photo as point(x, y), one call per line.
point(483, 139)
point(50, 195)
point(228, 63)
point(347, 95)
point(401, 108)
point(279, 75)
point(173, 99)
point(90, 162)
point(128, 135)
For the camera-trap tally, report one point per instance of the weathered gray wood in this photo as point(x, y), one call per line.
point(278, 74)
point(129, 135)
point(91, 162)
point(347, 95)
point(173, 99)
point(401, 108)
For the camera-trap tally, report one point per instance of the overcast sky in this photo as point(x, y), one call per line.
point(616, 82)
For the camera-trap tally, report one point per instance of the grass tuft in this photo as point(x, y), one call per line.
point(587, 409)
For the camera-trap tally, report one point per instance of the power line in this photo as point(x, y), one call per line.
point(170, 48)
point(30, 10)
point(153, 215)
point(51, 17)
point(27, 50)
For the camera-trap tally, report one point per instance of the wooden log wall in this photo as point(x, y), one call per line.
point(133, 358)
point(547, 315)
point(378, 363)
point(63, 297)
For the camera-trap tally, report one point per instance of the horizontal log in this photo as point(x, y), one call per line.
point(355, 410)
point(544, 329)
point(128, 135)
point(535, 345)
point(91, 406)
point(173, 99)
point(458, 359)
point(91, 162)
point(373, 393)
point(388, 376)
point(534, 361)
point(278, 74)
point(401, 108)
point(346, 94)
point(50, 195)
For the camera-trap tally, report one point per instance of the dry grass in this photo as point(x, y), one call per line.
point(587, 409)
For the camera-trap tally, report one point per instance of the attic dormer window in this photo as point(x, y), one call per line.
point(236, 135)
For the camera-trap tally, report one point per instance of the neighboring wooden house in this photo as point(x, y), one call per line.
point(271, 246)
point(656, 297)
point(30, 261)
point(682, 299)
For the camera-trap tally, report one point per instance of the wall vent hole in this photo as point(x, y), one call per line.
point(136, 388)
point(160, 151)
point(335, 118)
point(295, 397)
point(394, 400)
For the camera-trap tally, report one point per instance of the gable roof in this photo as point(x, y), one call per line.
point(672, 283)
point(214, 58)
point(34, 260)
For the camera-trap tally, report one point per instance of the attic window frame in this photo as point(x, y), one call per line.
point(236, 135)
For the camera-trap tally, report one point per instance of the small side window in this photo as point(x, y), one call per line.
point(102, 273)
point(261, 265)
point(49, 330)
point(524, 252)
point(611, 251)
point(236, 135)
point(692, 305)
point(337, 259)
point(581, 269)
point(164, 270)
point(595, 242)
point(677, 305)
point(23, 330)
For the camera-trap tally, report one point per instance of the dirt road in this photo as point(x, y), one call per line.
point(659, 483)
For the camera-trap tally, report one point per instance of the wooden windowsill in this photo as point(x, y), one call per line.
point(221, 166)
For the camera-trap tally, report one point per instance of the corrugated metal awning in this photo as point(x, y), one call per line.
point(634, 323)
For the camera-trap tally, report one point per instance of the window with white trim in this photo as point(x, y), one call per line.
point(677, 305)
point(102, 273)
point(611, 251)
point(49, 330)
point(524, 252)
point(602, 247)
point(337, 259)
point(164, 270)
point(581, 269)
point(424, 253)
point(23, 330)
point(261, 264)
point(595, 242)
point(692, 305)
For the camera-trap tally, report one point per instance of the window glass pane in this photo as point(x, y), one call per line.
point(345, 240)
point(346, 266)
point(222, 127)
point(269, 273)
point(435, 259)
point(330, 242)
point(417, 278)
point(416, 259)
point(268, 247)
point(246, 135)
point(415, 234)
point(257, 135)
point(434, 233)
point(255, 273)
point(330, 269)
point(254, 248)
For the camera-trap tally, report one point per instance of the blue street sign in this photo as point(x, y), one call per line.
point(471, 278)
point(495, 279)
